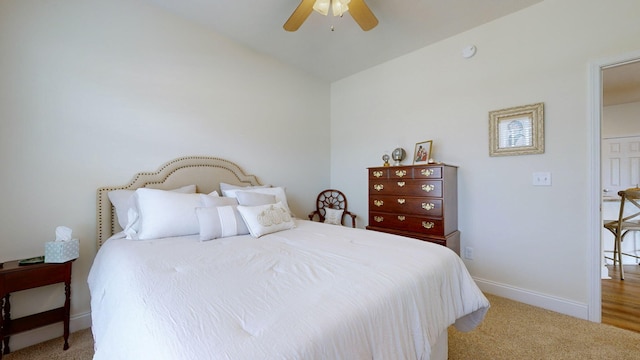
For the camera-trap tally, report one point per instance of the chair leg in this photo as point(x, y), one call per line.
point(618, 251)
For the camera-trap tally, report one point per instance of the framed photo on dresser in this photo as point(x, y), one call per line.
point(422, 153)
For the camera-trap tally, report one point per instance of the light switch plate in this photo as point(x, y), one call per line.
point(541, 179)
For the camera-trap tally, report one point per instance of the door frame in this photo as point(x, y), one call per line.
point(594, 112)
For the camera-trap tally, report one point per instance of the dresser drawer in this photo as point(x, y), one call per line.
point(430, 188)
point(406, 205)
point(406, 172)
point(379, 173)
point(427, 172)
point(419, 224)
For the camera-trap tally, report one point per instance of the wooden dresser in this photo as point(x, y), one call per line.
point(419, 201)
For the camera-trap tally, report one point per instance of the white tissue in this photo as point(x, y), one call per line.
point(63, 233)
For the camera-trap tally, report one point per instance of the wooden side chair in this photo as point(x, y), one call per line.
point(331, 207)
point(628, 220)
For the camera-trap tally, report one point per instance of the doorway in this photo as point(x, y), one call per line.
point(599, 83)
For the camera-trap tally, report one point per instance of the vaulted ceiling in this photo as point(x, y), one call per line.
point(404, 26)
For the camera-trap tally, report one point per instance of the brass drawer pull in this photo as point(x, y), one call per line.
point(378, 173)
point(428, 206)
point(378, 187)
point(428, 224)
point(401, 183)
point(378, 203)
point(378, 218)
point(401, 173)
point(401, 217)
point(427, 172)
point(428, 188)
point(401, 201)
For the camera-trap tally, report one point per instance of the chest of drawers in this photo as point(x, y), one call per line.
point(419, 201)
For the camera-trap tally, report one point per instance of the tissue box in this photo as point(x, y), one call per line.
point(61, 251)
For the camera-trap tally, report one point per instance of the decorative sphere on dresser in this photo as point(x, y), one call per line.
point(398, 155)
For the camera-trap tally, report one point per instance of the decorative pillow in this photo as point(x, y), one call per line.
point(278, 192)
point(266, 219)
point(158, 213)
point(214, 201)
point(230, 190)
point(250, 198)
point(120, 200)
point(220, 221)
point(333, 216)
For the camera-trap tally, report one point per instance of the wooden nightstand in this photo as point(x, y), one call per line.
point(14, 277)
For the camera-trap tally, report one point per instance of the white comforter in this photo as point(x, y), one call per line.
point(314, 292)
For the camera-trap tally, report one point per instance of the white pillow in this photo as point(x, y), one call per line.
point(158, 214)
point(220, 221)
point(250, 198)
point(266, 219)
point(213, 201)
point(333, 216)
point(120, 200)
point(230, 190)
point(278, 192)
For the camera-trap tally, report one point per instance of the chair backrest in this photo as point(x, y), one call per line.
point(629, 197)
point(336, 200)
point(332, 199)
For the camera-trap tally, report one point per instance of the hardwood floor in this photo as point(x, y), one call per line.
point(621, 298)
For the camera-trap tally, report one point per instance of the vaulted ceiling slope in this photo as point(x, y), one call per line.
point(404, 26)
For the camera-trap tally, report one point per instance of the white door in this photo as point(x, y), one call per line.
point(620, 170)
point(620, 164)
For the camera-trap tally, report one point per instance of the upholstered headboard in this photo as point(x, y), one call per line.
point(205, 172)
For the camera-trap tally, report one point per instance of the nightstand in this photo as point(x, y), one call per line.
point(14, 277)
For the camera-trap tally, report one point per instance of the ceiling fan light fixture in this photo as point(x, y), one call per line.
point(322, 6)
point(338, 7)
point(358, 10)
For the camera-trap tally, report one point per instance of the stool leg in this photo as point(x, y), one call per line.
point(619, 251)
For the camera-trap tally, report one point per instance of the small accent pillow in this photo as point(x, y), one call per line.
point(333, 216)
point(278, 192)
point(230, 190)
point(121, 201)
point(157, 214)
point(221, 221)
point(250, 198)
point(266, 219)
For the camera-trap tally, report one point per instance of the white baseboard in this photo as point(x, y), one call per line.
point(563, 306)
point(48, 332)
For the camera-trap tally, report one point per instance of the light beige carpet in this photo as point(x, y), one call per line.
point(511, 330)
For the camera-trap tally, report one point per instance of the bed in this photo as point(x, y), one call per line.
point(305, 290)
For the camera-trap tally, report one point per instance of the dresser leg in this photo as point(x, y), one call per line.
point(5, 320)
point(1, 326)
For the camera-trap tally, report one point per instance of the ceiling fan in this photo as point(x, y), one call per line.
point(359, 11)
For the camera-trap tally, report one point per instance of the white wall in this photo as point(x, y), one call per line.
point(621, 120)
point(92, 92)
point(530, 243)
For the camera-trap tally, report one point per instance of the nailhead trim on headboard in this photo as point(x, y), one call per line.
point(106, 219)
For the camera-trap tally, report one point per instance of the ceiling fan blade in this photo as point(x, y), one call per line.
point(299, 15)
point(361, 13)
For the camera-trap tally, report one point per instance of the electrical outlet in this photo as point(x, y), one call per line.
point(468, 253)
point(541, 179)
